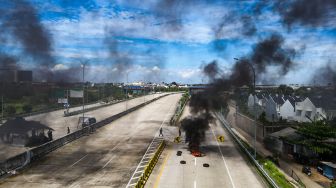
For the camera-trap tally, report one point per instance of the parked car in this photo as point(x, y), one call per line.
point(306, 170)
point(86, 121)
point(320, 169)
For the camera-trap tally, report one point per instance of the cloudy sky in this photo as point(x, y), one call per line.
point(157, 40)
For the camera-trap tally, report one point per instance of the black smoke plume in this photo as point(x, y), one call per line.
point(307, 12)
point(23, 23)
point(267, 52)
point(121, 61)
point(195, 128)
point(326, 74)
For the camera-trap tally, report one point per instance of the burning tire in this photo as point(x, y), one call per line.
point(183, 162)
point(206, 165)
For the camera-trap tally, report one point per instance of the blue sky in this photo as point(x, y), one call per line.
point(160, 52)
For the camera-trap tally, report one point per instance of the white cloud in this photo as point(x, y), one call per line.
point(60, 67)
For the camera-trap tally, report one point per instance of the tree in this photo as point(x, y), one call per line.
point(27, 108)
point(10, 110)
point(262, 118)
point(316, 136)
point(284, 89)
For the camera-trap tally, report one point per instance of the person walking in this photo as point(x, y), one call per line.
point(161, 132)
point(179, 132)
point(68, 130)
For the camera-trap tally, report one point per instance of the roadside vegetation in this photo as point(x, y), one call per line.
point(273, 171)
point(179, 109)
point(27, 98)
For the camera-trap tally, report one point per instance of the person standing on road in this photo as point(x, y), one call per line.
point(68, 130)
point(161, 132)
point(179, 132)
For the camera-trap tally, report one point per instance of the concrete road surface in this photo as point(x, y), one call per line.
point(227, 166)
point(59, 123)
point(106, 158)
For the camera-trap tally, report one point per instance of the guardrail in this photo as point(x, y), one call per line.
point(178, 112)
point(97, 107)
point(150, 166)
point(20, 161)
point(255, 162)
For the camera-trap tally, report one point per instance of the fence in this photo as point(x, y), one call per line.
point(150, 166)
point(246, 124)
point(97, 107)
point(178, 112)
point(20, 161)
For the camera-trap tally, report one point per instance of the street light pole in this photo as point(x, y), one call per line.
point(254, 108)
point(126, 104)
point(83, 66)
point(2, 93)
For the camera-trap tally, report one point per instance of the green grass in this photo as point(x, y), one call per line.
point(273, 171)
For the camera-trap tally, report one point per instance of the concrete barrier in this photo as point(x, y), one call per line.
point(20, 161)
point(150, 166)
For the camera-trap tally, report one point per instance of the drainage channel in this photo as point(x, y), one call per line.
point(144, 161)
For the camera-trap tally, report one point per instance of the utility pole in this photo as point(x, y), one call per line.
point(126, 104)
point(2, 101)
point(2, 93)
point(83, 66)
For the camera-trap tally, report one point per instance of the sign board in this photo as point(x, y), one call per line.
point(76, 93)
point(62, 100)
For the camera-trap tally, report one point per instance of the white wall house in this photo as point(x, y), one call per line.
point(271, 109)
point(306, 111)
point(259, 102)
point(287, 110)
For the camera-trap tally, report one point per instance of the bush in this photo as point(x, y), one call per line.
point(276, 175)
point(27, 108)
point(10, 110)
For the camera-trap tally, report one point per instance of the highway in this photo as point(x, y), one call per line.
point(228, 168)
point(106, 158)
point(59, 123)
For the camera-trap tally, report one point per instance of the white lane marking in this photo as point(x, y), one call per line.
point(195, 161)
point(227, 169)
point(78, 160)
point(108, 162)
point(195, 184)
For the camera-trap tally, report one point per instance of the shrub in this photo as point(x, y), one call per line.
point(10, 110)
point(27, 108)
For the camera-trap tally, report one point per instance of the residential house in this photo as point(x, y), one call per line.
point(272, 107)
point(259, 101)
point(306, 111)
point(292, 108)
point(284, 142)
point(325, 104)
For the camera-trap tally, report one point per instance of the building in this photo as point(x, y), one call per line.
point(329, 169)
point(256, 103)
point(292, 108)
point(20, 132)
point(306, 111)
point(16, 76)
